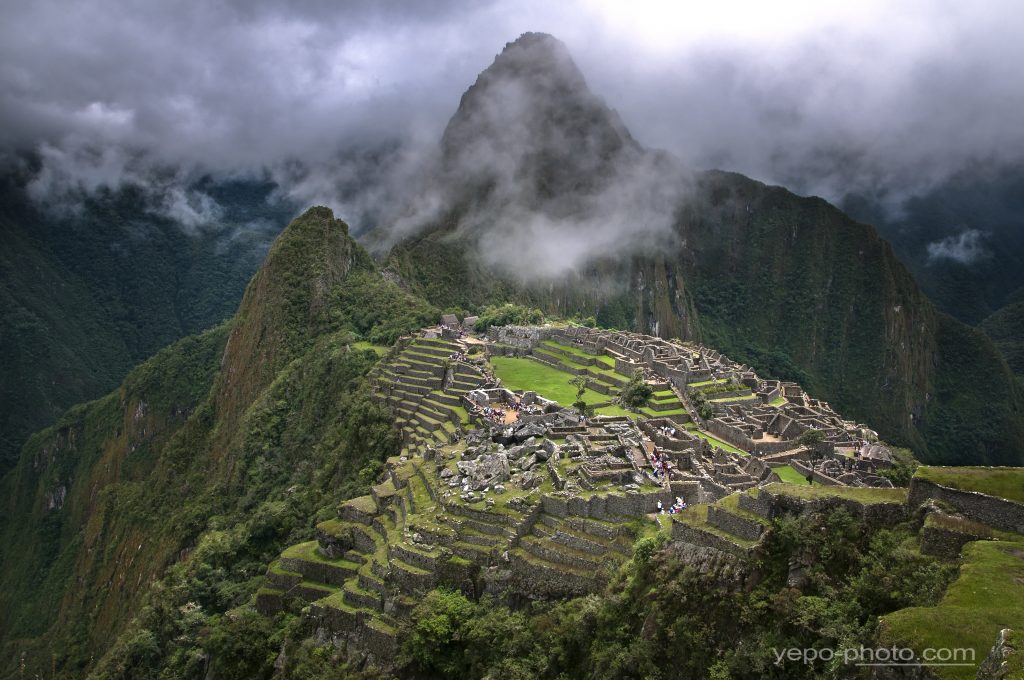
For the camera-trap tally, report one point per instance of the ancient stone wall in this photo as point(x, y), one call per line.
point(734, 524)
point(874, 515)
point(759, 505)
point(943, 542)
point(819, 477)
point(995, 512)
point(699, 537)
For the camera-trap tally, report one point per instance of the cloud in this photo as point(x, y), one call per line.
point(823, 97)
point(967, 247)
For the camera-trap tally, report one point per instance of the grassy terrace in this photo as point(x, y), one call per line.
point(526, 374)
point(864, 495)
point(308, 551)
point(381, 350)
point(749, 397)
point(732, 504)
point(605, 361)
point(787, 474)
point(986, 598)
point(696, 516)
point(777, 401)
point(1001, 482)
point(705, 383)
point(715, 441)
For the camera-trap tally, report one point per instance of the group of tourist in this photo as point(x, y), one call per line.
point(528, 409)
point(662, 465)
point(668, 431)
point(495, 415)
point(678, 506)
point(457, 356)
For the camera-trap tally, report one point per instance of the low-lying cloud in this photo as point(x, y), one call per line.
point(967, 247)
point(825, 99)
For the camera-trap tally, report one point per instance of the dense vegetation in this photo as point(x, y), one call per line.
point(1006, 328)
point(212, 457)
point(662, 619)
point(88, 293)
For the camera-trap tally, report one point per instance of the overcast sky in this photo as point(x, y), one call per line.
point(821, 96)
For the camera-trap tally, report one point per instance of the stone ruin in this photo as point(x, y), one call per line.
point(509, 493)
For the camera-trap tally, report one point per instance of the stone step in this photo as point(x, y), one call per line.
point(367, 539)
point(541, 578)
point(483, 527)
point(446, 399)
point(383, 493)
point(735, 523)
point(356, 596)
point(310, 591)
point(478, 554)
point(505, 518)
point(468, 535)
point(560, 554)
point(434, 352)
point(360, 510)
point(370, 581)
point(305, 559)
point(460, 385)
point(281, 579)
point(411, 579)
point(580, 541)
point(414, 555)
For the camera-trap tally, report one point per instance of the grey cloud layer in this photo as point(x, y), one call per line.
point(112, 91)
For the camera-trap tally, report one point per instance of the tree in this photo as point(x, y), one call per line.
point(581, 382)
point(813, 440)
point(701, 405)
point(637, 393)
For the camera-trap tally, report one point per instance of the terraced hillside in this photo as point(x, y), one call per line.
point(510, 525)
point(501, 488)
point(424, 388)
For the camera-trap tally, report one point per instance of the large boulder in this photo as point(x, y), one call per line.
point(487, 470)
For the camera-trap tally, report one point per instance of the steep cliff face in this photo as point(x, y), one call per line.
point(210, 433)
point(793, 285)
point(79, 541)
point(285, 306)
point(87, 294)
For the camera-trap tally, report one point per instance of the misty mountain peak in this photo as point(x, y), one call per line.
point(530, 117)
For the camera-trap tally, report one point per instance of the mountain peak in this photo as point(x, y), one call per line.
point(531, 116)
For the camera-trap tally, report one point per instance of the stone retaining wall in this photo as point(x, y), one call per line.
point(734, 524)
point(942, 542)
point(759, 505)
point(613, 507)
point(874, 514)
point(995, 512)
point(538, 580)
point(819, 477)
point(706, 539)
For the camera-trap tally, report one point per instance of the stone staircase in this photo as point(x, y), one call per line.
point(424, 388)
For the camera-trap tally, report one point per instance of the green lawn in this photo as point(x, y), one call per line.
point(705, 383)
point(551, 344)
point(518, 373)
point(777, 401)
point(986, 598)
point(715, 441)
point(1002, 482)
point(866, 495)
point(726, 400)
point(787, 474)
